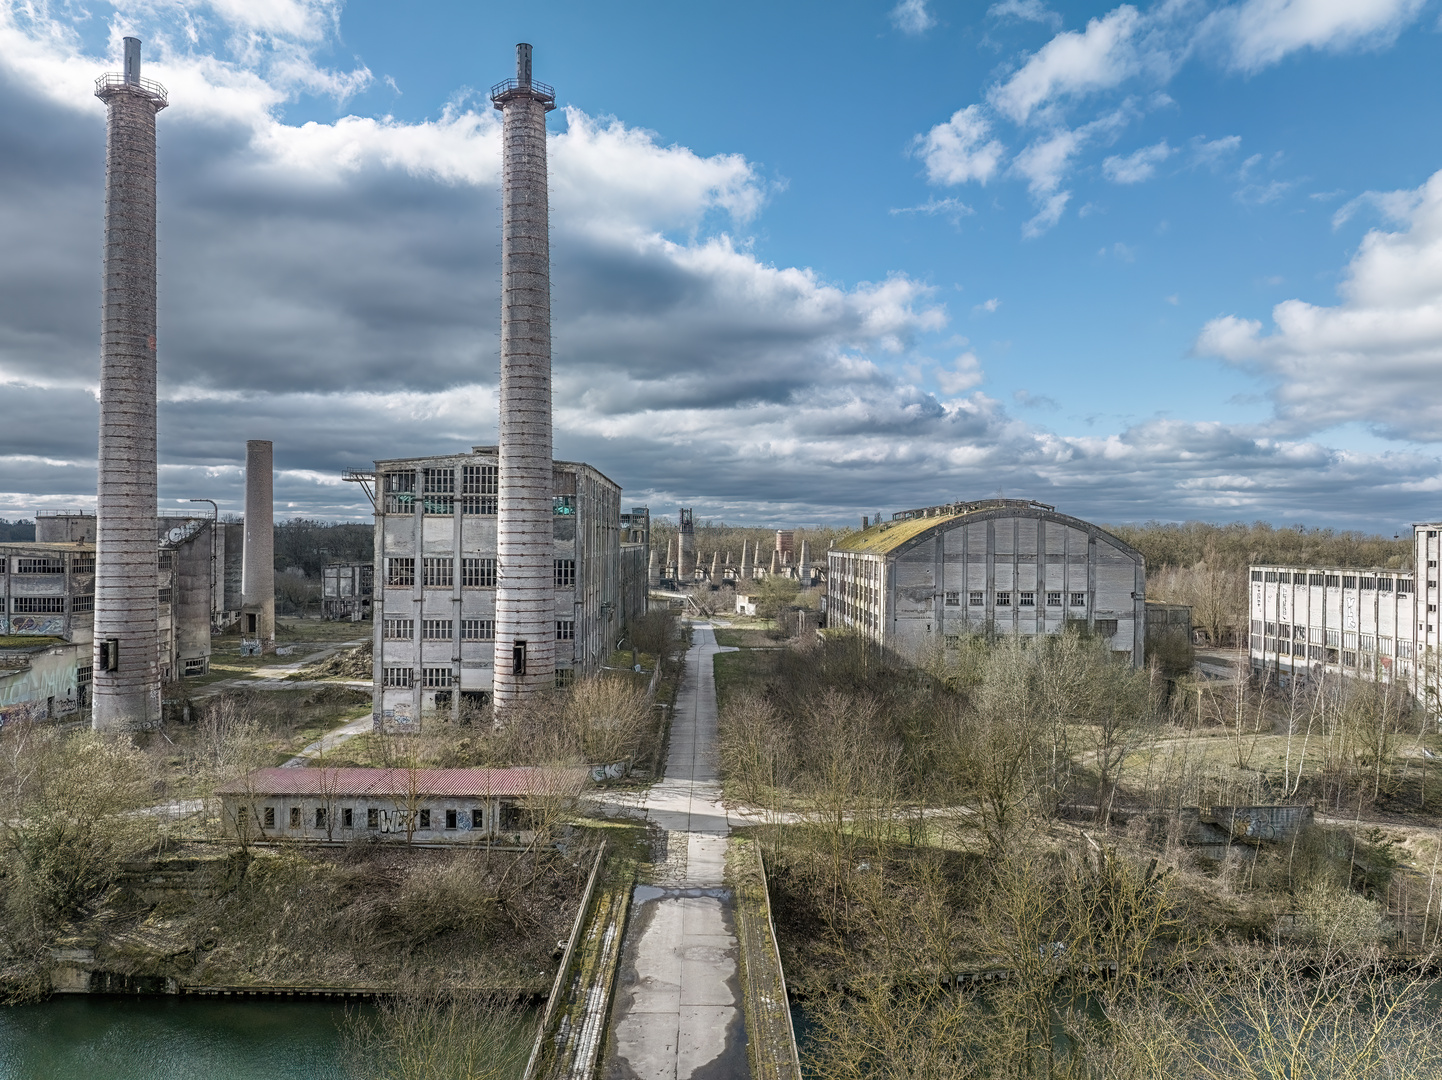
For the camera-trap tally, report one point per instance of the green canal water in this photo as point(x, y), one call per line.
point(169, 1038)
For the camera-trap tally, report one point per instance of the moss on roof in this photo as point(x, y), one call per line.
point(890, 535)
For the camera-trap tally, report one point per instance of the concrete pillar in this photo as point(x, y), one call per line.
point(525, 651)
point(805, 564)
point(257, 570)
point(745, 561)
point(653, 572)
point(126, 686)
point(716, 568)
point(775, 563)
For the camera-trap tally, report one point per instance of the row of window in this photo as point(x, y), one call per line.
point(51, 564)
point(442, 678)
point(395, 629)
point(50, 605)
point(512, 817)
point(1283, 638)
point(1336, 581)
point(1024, 598)
point(477, 573)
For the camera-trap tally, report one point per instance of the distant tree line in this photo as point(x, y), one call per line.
point(21, 530)
point(307, 544)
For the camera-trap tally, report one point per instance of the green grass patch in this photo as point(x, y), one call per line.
point(747, 638)
point(749, 667)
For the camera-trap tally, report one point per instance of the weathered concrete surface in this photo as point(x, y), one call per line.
point(127, 606)
point(525, 552)
point(257, 582)
point(677, 1012)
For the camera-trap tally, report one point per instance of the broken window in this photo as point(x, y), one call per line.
point(82, 604)
point(320, 817)
point(437, 629)
point(437, 677)
point(439, 487)
point(1028, 599)
point(38, 605)
point(82, 564)
point(478, 817)
point(1053, 599)
point(478, 629)
point(399, 629)
point(295, 817)
point(566, 630)
point(1003, 599)
point(373, 818)
point(565, 573)
point(479, 486)
point(1078, 599)
point(401, 572)
point(1106, 627)
point(425, 819)
point(397, 676)
point(269, 817)
point(953, 599)
point(439, 573)
point(976, 599)
point(400, 491)
point(450, 819)
point(478, 573)
point(564, 677)
point(40, 566)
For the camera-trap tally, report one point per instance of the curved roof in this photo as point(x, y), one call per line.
point(893, 537)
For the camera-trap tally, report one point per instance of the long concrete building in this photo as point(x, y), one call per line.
point(436, 607)
point(921, 581)
point(1379, 623)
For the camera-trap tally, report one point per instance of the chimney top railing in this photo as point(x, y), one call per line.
point(544, 91)
point(116, 80)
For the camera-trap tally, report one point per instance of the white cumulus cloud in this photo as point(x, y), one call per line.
point(959, 151)
point(1074, 62)
point(1374, 356)
point(911, 17)
point(1261, 32)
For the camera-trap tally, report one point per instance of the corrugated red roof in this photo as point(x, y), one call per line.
point(401, 783)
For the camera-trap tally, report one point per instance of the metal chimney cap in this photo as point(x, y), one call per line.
point(132, 61)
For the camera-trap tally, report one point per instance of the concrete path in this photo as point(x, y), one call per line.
point(329, 741)
point(678, 1010)
point(272, 676)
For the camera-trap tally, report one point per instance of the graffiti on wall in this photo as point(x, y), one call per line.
point(45, 690)
point(51, 625)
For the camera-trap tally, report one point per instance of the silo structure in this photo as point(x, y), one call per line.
point(126, 677)
point(525, 656)
point(257, 569)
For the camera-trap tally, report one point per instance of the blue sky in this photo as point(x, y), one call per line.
point(1172, 261)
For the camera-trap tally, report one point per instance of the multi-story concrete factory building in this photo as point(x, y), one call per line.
point(923, 580)
point(1378, 623)
point(127, 615)
point(525, 650)
point(438, 564)
point(47, 608)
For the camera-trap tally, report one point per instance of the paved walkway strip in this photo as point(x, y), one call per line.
point(677, 1013)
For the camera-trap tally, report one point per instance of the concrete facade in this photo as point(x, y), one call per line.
point(525, 646)
point(1379, 623)
point(436, 609)
point(923, 580)
point(257, 586)
point(127, 671)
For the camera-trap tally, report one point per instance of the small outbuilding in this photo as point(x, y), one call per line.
point(324, 805)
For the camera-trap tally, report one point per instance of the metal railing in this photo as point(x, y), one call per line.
point(116, 80)
point(539, 89)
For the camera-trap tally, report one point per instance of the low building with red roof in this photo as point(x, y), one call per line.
point(326, 805)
